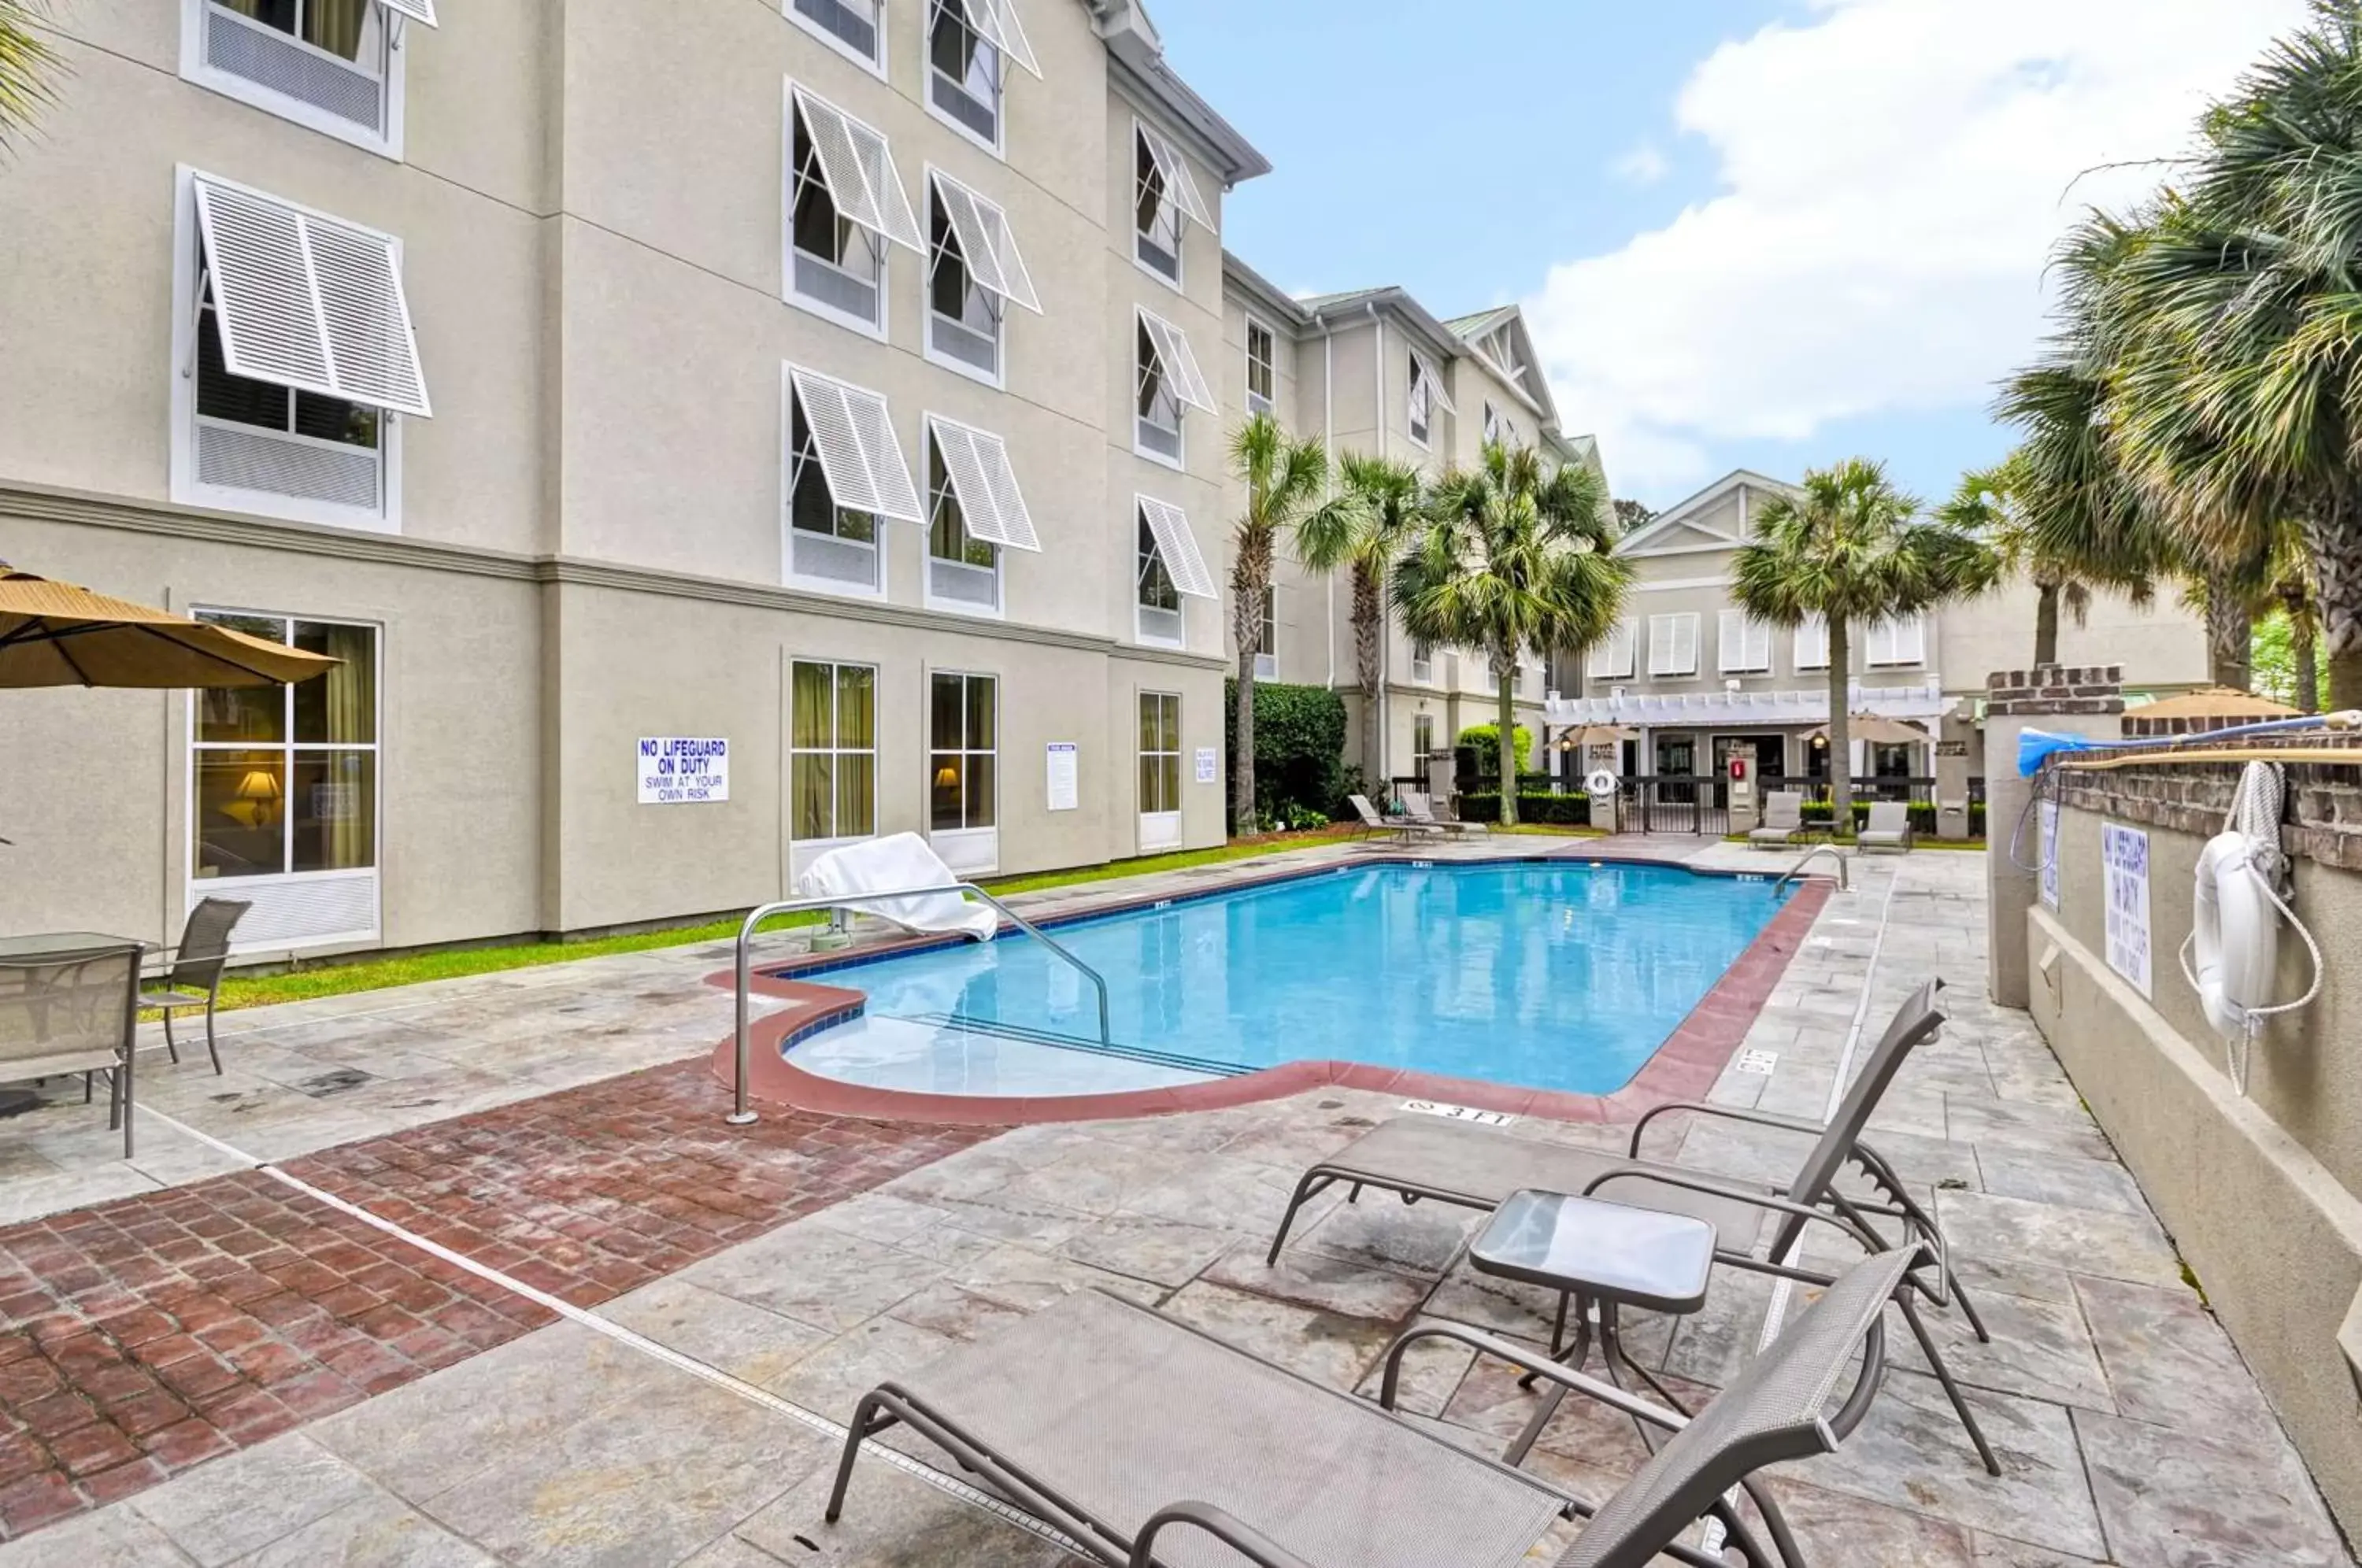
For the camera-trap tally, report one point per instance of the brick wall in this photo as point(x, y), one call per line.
point(2325, 802)
point(2057, 688)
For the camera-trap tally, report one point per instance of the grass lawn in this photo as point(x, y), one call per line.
point(334, 978)
point(1976, 844)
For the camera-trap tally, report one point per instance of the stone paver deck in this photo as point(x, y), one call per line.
point(2130, 1430)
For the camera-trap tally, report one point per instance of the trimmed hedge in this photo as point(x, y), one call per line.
point(1562, 811)
point(1486, 739)
point(1817, 814)
point(1300, 750)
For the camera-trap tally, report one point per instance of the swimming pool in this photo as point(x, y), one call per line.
point(1547, 975)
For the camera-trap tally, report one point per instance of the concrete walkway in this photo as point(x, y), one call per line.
point(698, 1430)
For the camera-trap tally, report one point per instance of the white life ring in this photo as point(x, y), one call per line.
point(1601, 782)
point(2234, 933)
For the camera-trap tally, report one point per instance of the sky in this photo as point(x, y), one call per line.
point(1768, 234)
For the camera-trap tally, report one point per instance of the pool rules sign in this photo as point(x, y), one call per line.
point(2123, 853)
point(683, 770)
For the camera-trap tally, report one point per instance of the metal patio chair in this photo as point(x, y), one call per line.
point(1783, 821)
point(1889, 826)
point(1470, 1166)
point(1136, 1435)
point(63, 1013)
point(1419, 810)
point(1402, 828)
point(194, 978)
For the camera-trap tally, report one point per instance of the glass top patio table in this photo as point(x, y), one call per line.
point(40, 945)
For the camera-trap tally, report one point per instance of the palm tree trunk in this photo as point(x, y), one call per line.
point(1840, 728)
point(2230, 634)
point(2306, 645)
point(1246, 634)
point(1369, 629)
point(2336, 544)
point(1504, 682)
point(2045, 623)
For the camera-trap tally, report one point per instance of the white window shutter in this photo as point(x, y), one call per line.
point(1672, 644)
point(1436, 395)
point(1180, 185)
point(1686, 643)
point(859, 169)
point(1731, 641)
point(1169, 525)
point(1813, 644)
point(1911, 640)
point(859, 455)
point(1612, 658)
point(996, 22)
point(307, 302)
point(986, 243)
point(981, 477)
point(416, 10)
point(1181, 372)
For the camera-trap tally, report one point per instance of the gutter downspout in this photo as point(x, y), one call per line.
point(1329, 449)
point(1384, 716)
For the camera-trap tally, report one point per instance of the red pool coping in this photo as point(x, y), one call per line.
point(1684, 1068)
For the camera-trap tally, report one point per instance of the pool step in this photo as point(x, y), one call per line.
point(1076, 1043)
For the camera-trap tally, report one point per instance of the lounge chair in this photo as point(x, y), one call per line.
point(194, 977)
point(1476, 1167)
point(74, 1013)
point(1888, 827)
point(1402, 828)
point(1783, 819)
point(1419, 810)
point(1136, 1435)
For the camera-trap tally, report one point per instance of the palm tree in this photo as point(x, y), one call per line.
point(1510, 563)
point(25, 65)
point(1285, 481)
point(1991, 504)
point(1851, 551)
point(1362, 539)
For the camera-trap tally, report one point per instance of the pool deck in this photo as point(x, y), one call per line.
point(634, 1325)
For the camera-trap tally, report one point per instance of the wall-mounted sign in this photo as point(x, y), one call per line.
point(1208, 768)
point(2047, 852)
point(682, 770)
point(1951, 748)
point(1063, 762)
point(2124, 852)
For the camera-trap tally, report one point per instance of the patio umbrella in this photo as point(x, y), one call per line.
point(1598, 734)
point(1875, 729)
point(55, 633)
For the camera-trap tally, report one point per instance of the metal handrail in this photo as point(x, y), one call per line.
point(741, 1115)
point(1844, 883)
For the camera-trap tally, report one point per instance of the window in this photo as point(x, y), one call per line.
point(1813, 644)
point(1426, 395)
point(296, 354)
point(1422, 663)
point(1744, 645)
point(334, 65)
point(845, 477)
point(965, 71)
point(1267, 643)
point(974, 509)
point(1492, 424)
point(973, 274)
point(832, 751)
point(1160, 752)
point(961, 754)
point(283, 784)
point(1168, 381)
point(856, 27)
point(1891, 643)
point(1171, 569)
point(1672, 644)
point(1165, 196)
point(1612, 657)
point(1259, 367)
point(846, 205)
point(1422, 736)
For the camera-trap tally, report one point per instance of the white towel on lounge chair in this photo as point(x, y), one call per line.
point(883, 865)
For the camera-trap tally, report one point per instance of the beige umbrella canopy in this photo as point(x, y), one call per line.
point(1874, 728)
point(54, 634)
point(1598, 734)
point(2215, 703)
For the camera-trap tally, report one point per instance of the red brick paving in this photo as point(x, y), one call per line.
point(145, 1335)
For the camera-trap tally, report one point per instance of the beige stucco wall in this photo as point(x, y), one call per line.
point(2257, 1191)
point(2160, 645)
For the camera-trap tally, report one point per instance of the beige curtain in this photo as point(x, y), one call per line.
point(340, 27)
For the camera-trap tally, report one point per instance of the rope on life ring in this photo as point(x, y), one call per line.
point(2233, 933)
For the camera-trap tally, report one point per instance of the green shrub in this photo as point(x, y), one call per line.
point(1817, 814)
point(1562, 811)
point(1300, 749)
point(1486, 739)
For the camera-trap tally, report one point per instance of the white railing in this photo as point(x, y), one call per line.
point(1923, 701)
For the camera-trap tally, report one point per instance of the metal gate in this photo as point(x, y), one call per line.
point(1677, 803)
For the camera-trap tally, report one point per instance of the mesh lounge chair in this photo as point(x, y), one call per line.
point(1783, 819)
point(74, 1013)
point(194, 979)
point(1141, 1437)
point(1475, 1168)
point(1402, 828)
point(1420, 810)
point(1889, 826)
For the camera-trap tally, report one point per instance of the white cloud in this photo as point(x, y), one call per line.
point(1642, 164)
point(1891, 177)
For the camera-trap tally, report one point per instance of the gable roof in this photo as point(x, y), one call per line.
point(1498, 336)
point(1662, 535)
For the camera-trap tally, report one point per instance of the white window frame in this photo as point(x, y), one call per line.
point(1000, 304)
point(184, 487)
point(802, 851)
point(254, 94)
point(1737, 654)
point(1811, 645)
point(1422, 663)
point(789, 253)
point(958, 847)
point(1144, 138)
point(1270, 365)
point(1604, 664)
point(231, 887)
point(1019, 528)
point(1159, 830)
point(1664, 633)
point(1883, 643)
point(881, 522)
point(873, 63)
point(998, 144)
point(1266, 662)
point(1144, 340)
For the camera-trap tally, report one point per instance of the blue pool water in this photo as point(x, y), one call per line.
point(1546, 975)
